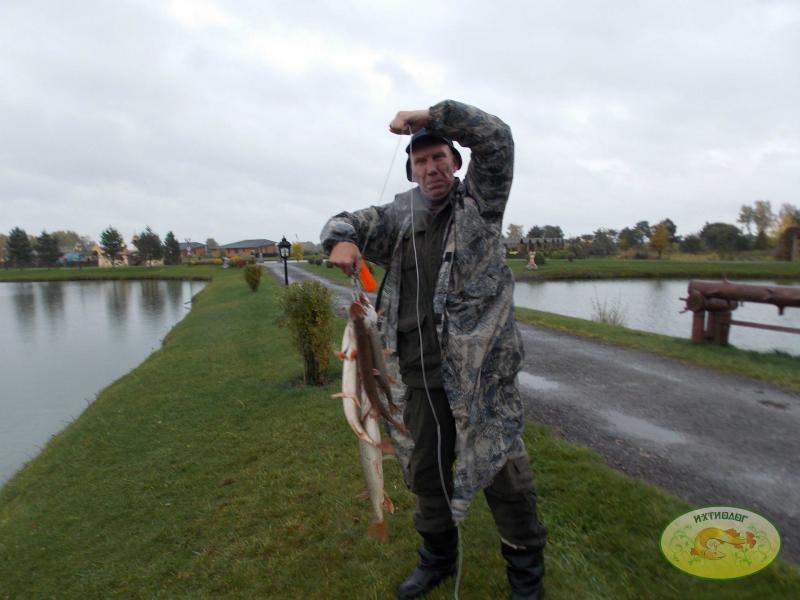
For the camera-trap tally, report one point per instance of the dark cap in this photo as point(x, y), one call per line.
point(423, 136)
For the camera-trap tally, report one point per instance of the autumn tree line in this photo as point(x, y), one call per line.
point(18, 249)
point(762, 230)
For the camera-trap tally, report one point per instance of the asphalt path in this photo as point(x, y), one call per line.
point(711, 438)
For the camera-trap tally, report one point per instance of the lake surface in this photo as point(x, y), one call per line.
point(63, 342)
point(655, 305)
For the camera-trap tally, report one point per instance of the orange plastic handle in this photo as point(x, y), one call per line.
point(367, 280)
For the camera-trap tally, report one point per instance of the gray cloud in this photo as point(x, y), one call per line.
point(225, 120)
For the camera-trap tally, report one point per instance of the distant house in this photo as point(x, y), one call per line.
point(193, 249)
point(104, 263)
point(76, 258)
point(248, 247)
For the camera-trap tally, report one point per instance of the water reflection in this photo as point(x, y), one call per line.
point(152, 297)
point(655, 306)
point(117, 302)
point(174, 295)
point(24, 300)
point(51, 295)
point(93, 332)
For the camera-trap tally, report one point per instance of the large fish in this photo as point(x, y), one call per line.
point(364, 381)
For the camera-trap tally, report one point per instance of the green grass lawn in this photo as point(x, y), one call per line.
point(336, 275)
point(615, 268)
point(211, 471)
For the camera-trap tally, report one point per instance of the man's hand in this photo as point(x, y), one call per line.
point(405, 119)
point(346, 256)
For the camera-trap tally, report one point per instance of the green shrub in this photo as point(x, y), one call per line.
point(308, 310)
point(238, 261)
point(252, 275)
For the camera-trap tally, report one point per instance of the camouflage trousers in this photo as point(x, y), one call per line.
point(510, 497)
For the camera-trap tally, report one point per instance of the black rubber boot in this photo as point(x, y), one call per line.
point(525, 569)
point(438, 556)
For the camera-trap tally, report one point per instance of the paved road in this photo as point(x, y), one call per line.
point(708, 437)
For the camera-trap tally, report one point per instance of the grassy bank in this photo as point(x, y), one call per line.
point(199, 272)
point(614, 268)
point(210, 471)
point(336, 276)
point(773, 367)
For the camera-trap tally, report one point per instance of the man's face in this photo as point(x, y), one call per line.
point(433, 167)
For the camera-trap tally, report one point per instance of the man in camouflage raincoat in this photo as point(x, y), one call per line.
point(448, 323)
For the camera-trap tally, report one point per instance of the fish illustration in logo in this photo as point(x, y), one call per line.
point(707, 542)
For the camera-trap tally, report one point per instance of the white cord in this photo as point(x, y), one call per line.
point(391, 166)
point(428, 393)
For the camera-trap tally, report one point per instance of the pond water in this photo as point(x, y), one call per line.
point(62, 342)
point(655, 306)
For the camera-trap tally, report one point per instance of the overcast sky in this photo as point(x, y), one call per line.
point(238, 119)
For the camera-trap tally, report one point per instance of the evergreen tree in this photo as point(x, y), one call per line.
point(723, 238)
point(602, 243)
point(691, 244)
point(552, 231)
point(112, 244)
point(172, 250)
point(630, 238)
point(535, 232)
point(47, 249)
point(643, 227)
point(672, 230)
point(18, 248)
point(149, 246)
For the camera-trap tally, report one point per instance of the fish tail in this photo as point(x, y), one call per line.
point(378, 532)
point(751, 540)
point(388, 505)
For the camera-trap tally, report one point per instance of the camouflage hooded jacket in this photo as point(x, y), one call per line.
point(472, 303)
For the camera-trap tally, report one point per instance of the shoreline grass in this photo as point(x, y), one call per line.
point(210, 471)
point(778, 368)
point(615, 268)
point(336, 275)
point(612, 268)
point(197, 272)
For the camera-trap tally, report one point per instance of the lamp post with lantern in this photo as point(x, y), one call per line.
point(284, 248)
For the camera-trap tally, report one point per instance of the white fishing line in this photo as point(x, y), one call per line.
point(425, 384)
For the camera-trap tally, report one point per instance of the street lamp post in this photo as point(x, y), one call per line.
point(283, 248)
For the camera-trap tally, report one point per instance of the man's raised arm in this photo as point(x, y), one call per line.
point(491, 168)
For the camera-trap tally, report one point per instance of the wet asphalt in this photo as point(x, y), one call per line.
point(711, 438)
